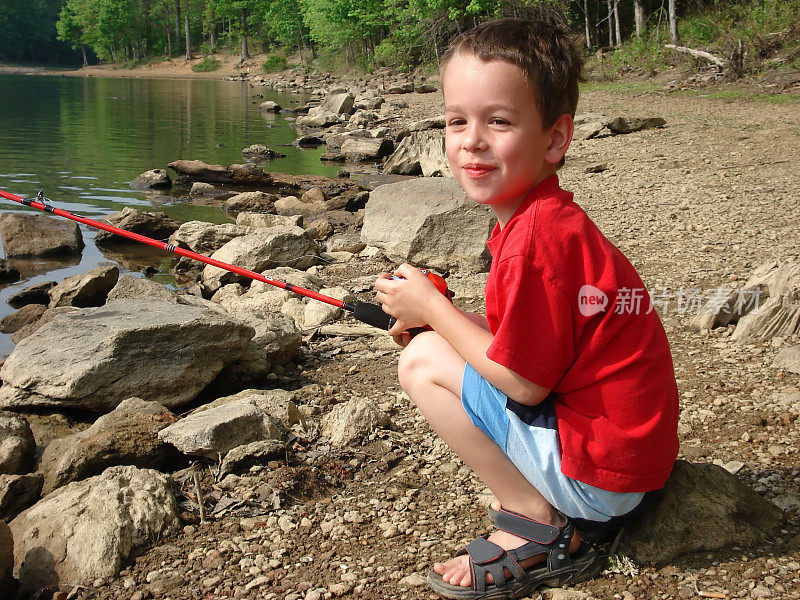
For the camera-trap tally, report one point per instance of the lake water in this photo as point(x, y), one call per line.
point(81, 140)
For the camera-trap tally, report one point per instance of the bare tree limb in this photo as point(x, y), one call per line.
point(722, 63)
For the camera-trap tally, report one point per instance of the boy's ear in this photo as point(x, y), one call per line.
point(560, 139)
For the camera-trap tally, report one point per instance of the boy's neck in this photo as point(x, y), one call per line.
point(507, 210)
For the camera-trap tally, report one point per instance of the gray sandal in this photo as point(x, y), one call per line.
point(559, 569)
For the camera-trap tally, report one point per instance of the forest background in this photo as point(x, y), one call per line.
point(747, 35)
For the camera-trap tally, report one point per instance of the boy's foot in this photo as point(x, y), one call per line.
point(456, 571)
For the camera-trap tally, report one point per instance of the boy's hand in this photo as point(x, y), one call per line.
point(408, 299)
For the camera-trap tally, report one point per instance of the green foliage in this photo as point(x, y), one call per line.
point(208, 64)
point(274, 63)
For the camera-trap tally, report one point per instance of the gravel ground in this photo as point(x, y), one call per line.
point(696, 205)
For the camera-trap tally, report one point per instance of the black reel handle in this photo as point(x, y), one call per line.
point(372, 314)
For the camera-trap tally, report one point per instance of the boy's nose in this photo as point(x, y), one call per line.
point(474, 139)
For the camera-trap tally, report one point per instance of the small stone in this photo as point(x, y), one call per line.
point(413, 580)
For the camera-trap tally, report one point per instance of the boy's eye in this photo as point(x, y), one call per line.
point(456, 121)
point(498, 121)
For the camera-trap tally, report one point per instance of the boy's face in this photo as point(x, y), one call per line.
point(495, 142)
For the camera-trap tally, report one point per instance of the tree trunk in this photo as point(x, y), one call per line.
point(616, 23)
point(640, 16)
point(586, 23)
point(243, 23)
point(83, 52)
point(673, 22)
point(178, 22)
point(610, 24)
point(186, 32)
point(169, 30)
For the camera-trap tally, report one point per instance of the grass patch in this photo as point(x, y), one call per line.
point(274, 63)
point(645, 87)
point(207, 65)
point(742, 96)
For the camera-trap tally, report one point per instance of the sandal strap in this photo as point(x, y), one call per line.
point(488, 557)
point(524, 527)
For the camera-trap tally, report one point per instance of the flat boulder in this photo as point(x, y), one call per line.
point(39, 235)
point(215, 431)
point(130, 286)
point(88, 289)
point(703, 508)
point(95, 358)
point(17, 446)
point(38, 293)
point(90, 529)
point(290, 206)
point(631, 124)
point(154, 179)
point(366, 149)
point(255, 219)
point(197, 170)
point(259, 202)
point(337, 103)
point(429, 222)
point(30, 313)
point(260, 251)
point(206, 238)
point(240, 459)
point(128, 435)
point(155, 225)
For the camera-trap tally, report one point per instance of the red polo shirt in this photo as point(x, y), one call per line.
point(570, 313)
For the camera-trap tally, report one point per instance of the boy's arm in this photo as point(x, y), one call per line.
point(415, 301)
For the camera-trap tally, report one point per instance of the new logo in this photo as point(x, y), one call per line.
point(591, 300)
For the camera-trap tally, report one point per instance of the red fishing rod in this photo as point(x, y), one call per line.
point(372, 314)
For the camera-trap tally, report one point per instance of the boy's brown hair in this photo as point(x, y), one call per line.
point(543, 51)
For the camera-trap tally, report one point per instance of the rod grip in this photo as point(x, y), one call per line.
point(372, 314)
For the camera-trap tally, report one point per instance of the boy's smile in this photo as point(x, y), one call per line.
point(495, 141)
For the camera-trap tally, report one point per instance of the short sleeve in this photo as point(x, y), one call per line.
point(534, 337)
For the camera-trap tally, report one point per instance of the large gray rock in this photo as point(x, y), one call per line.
point(91, 528)
point(337, 103)
point(364, 149)
point(351, 421)
point(421, 152)
point(259, 251)
point(17, 446)
point(293, 206)
point(789, 359)
point(97, 357)
point(206, 238)
point(429, 222)
point(631, 124)
point(38, 293)
point(259, 202)
point(88, 289)
point(152, 179)
point(279, 404)
point(18, 492)
point(318, 119)
point(765, 307)
point(703, 508)
point(39, 235)
point(215, 431)
point(48, 315)
point(128, 435)
point(30, 313)
point(156, 225)
point(259, 153)
point(252, 219)
point(240, 459)
point(276, 341)
point(130, 286)
point(8, 587)
point(197, 170)
point(319, 313)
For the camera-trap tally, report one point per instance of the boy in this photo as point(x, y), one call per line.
point(562, 399)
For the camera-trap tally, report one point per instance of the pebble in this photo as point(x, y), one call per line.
point(413, 580)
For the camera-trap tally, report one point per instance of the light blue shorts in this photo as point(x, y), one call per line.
point(528, 435)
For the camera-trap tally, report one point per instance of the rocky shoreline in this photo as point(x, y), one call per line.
point(280, 458)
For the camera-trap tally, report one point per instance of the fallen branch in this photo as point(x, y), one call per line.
point(720, 62)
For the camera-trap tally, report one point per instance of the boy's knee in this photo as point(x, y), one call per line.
point(428, 360)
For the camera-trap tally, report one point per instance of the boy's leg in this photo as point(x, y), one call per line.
point(431, 372)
